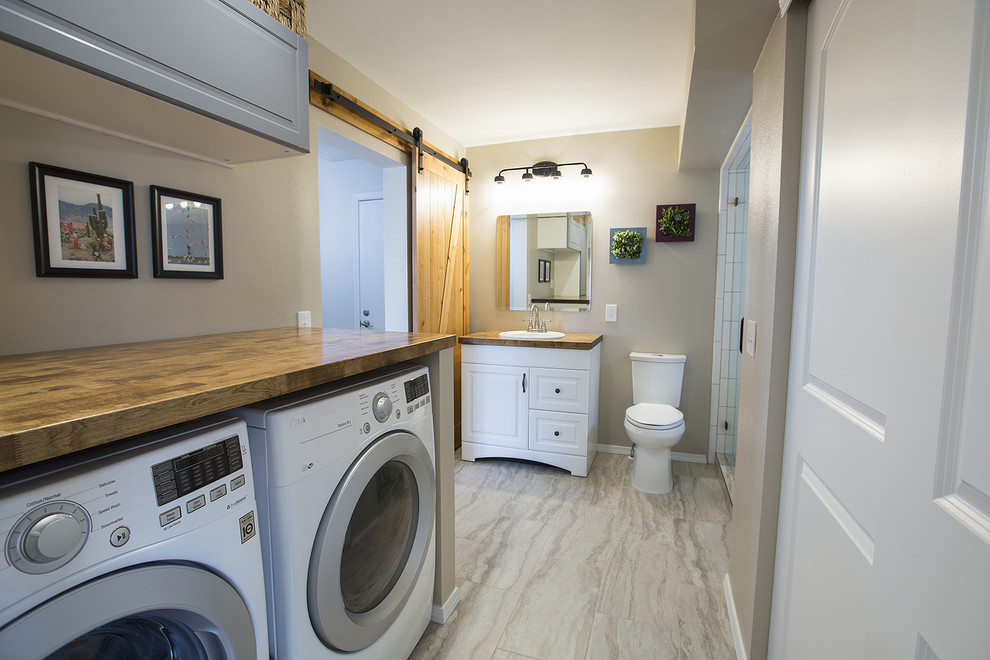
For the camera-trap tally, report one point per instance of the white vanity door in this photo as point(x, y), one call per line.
point(495, 405)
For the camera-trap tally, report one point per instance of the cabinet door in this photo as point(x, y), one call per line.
point(225, 59)
point(560, 433)
point(565, 390)
point(494, 405)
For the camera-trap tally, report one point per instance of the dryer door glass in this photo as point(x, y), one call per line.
point(379, 537)
point(372, 542)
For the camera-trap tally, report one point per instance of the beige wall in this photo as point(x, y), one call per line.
point(666, 304)
point(270, 232)
point(270, 243)
point(778, 90)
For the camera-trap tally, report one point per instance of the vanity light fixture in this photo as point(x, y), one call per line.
point(542, 169)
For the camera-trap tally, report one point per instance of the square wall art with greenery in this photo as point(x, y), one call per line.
point(627, 245)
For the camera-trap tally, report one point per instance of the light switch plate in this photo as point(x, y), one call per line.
point(611, 313)
point(303, 320)
point(749, 337)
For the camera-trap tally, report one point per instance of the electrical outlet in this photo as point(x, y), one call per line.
point(749, 337)
point(611, 313)
point(303, 320)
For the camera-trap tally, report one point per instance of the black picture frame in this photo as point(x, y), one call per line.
point(83, 224)
point(188, 221)
point(543, 270)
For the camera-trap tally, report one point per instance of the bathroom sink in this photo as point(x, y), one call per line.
point(528, 334)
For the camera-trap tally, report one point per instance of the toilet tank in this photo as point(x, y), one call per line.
point(657, 377)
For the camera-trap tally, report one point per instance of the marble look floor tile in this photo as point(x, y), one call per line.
point(504, 555)
point(601, 487)
point(621, 639)
point(583, 534)
point(591, 564)
point(474, 627)
point(700, 553)
point(640, 584)
point(499, 654)
point(650, 516)
point(477, 510)
point(555, 614)
point(702, 499)
point(705, 633)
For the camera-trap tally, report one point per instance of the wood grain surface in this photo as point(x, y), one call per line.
point(573, 340)
point(56, 403)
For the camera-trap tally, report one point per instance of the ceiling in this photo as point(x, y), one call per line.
point(491, 72)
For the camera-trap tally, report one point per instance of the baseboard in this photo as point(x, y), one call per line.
point(730, 604)
point(441, 614)
point(674, 455)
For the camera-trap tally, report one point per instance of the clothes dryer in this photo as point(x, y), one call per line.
point(346, 493)
point(145, 549)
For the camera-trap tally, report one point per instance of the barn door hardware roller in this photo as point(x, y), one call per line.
point(414, 139)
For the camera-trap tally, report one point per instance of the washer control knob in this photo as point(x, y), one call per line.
point(381, 406)
point(52, 538)
point(48, 537)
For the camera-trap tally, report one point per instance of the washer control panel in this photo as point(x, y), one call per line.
point(66, 516)
point(183, 474)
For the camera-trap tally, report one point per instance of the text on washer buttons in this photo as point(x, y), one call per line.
point(218, 492)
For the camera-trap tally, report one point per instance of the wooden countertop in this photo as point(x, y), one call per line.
point(572, 340)
point(56, 403)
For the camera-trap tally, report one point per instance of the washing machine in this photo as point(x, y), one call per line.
point(346, 496)
point(148, 548)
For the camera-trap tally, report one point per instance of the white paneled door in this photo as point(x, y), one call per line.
point(371, 262)
point(883, 547)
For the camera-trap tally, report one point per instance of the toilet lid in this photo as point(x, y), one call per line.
point(654, 415)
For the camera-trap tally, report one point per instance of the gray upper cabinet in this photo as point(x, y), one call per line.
point(234, 80)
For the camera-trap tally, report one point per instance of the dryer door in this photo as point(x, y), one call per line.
point(155, 611)
point(371, 543)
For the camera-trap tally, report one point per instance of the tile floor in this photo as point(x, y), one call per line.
point(553, 566)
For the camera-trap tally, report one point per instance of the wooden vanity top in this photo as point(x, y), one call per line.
point(56, 403)
point(572, 340)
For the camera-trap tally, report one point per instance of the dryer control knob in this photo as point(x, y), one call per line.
point(381, 406)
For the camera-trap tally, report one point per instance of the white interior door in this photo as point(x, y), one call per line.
point(371, 263)
point(883, 547)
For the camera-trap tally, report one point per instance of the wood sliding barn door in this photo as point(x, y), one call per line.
point(440, 278)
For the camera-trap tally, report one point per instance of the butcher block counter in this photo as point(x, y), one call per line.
point(571, 340)
point(60, 402)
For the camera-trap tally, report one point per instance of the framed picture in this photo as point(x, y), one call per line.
point(83, 224)
point(542, 270)
point(186, 235)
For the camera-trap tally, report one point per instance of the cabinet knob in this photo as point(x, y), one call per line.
point(556, 432)
point(557, 391)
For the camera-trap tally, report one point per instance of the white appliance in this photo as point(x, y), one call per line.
point(147, 549)
point(346, 495)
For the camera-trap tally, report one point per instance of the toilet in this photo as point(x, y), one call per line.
point(653, 423)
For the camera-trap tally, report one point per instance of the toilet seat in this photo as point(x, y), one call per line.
point(654, 416)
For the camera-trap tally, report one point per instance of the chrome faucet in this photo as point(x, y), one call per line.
point(534, 320)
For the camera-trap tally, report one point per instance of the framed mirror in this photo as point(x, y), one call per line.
point(543, 258)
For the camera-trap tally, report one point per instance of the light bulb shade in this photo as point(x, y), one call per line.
point(499, 179)
point(586, 172)
point(527, 176)
point(556, 174)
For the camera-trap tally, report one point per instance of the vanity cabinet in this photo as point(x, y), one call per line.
point(539, 404)
point(222, 73)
